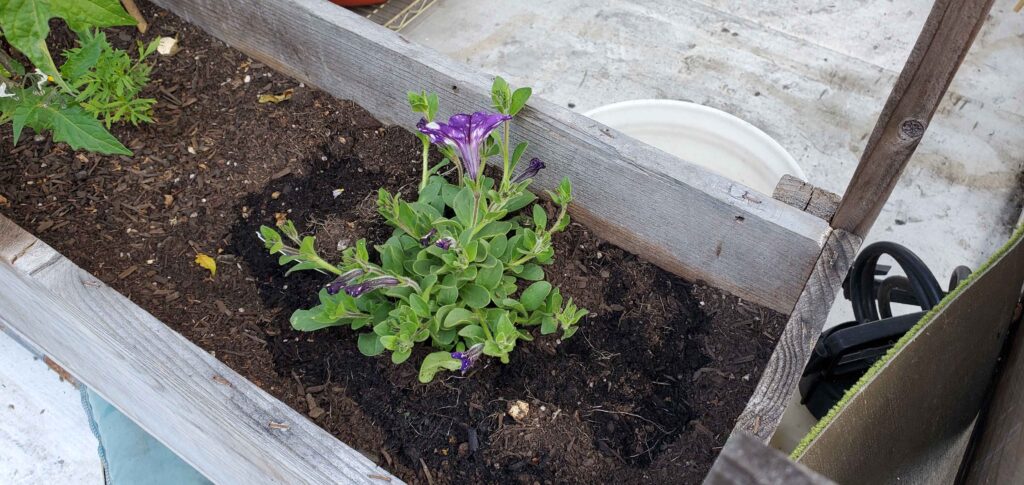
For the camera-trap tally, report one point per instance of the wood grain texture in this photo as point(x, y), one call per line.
point(910, 422)
point(945, 39)
point(681, 217)
point(997, 455)
point(782, 373)
point(793, 192)
point(799, 194)
point(216, 420)
point(823, 204)
point(745, 460)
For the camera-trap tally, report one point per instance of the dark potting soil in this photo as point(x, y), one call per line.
point(648, 389)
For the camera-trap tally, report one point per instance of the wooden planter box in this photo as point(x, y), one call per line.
point(782, 254)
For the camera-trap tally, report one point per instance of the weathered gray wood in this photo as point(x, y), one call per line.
point(745, 460)
point(823, 204)
point(997, 457)
point(782, 373)
point(216, 420)
point(945, 39)
point(909, 423)
point(806, 197)
point(693, 223)
point(793, 192)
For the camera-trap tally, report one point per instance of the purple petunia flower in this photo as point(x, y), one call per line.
point(425, 240)
point(445, 243)
point(531, 171)
point(466, 133)
point(469, 357)
point(370, 285)
point(336, 286)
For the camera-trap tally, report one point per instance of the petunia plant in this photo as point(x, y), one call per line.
point(463, 270)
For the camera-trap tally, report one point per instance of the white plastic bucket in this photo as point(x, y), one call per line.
point(711, 138)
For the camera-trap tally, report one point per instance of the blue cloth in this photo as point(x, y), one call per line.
point(130, 455)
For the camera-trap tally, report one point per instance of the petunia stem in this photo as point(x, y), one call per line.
point(505, 158)
point(426, 156)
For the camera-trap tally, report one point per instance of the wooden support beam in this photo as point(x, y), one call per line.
point(944, 41)
point(220, 423)
point(782, 374)
point(679, 216)
point(745, 460)
point(911, 421)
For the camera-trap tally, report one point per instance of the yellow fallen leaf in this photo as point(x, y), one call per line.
point(207, 263)
point(276, 98)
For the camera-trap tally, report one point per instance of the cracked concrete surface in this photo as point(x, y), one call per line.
point(812, 76)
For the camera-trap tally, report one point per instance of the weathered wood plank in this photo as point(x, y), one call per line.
point(997, 454)
point(782, 374)
point(944, 41)
point(806, 197)
point(216, 420)
point(910, 422)
point(823, 204)
point(793, 192)
point(745, 460)
point(693, 223)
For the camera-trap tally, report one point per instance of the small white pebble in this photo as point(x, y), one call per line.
point(191, 150)
point(247, 78)
point(150, 261)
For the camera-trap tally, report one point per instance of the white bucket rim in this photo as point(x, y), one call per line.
point(742, 125)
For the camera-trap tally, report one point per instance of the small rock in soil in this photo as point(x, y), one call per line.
point(519, 410)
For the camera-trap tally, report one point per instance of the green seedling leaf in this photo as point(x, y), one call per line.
point(25, 24)
point(540, 218)
point(310, 320)
point(533, 296)
point(370, 345)
point(400, 356)
point(517, 155)
point(519, 98)
point(475, 295)
point(458, 316)
point(436, 362)
point(532, 272)
point(463, 206)
point(81, 131)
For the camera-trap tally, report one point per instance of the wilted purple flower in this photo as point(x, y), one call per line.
point(370, 285)
point(445, 243)
point(531, 171)
point(466, 133)
point(335, 286)
point(469, 357)
point(425, 240)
